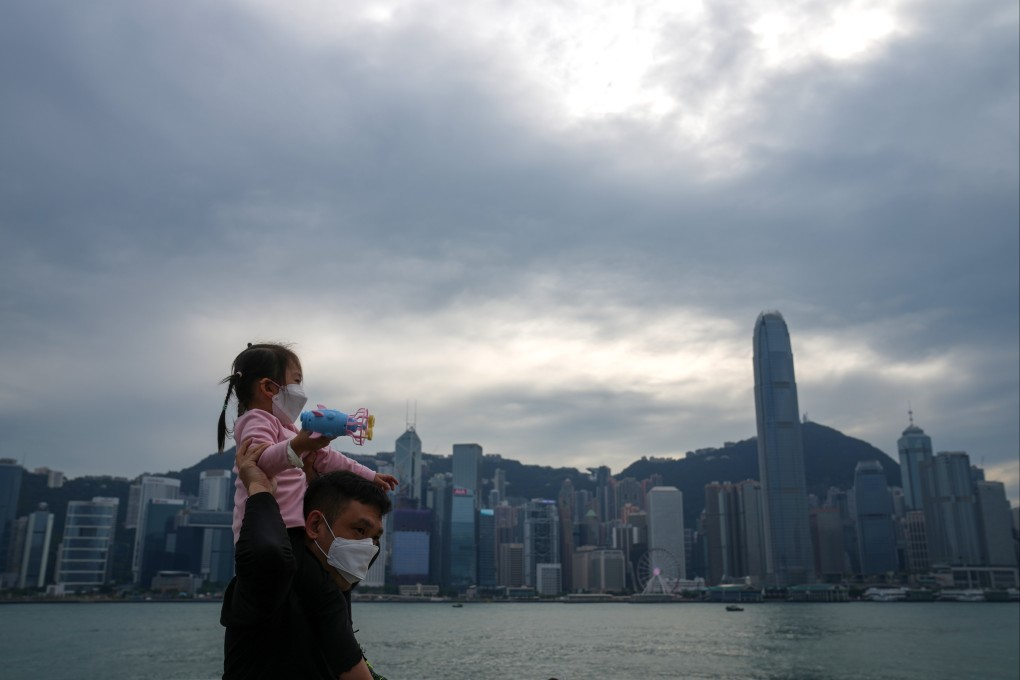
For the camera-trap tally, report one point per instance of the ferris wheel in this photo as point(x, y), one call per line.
point(658, 572)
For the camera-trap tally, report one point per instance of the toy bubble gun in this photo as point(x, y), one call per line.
point(329, 422)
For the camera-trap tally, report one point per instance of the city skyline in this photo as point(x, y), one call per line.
point(551, 226)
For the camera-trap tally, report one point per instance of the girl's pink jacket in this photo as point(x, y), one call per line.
point(262, 426)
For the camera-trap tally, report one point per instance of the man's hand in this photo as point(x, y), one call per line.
point(254, 479)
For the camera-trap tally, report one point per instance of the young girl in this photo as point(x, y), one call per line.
point(266, 379)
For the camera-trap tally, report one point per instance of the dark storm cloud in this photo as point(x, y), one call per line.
point(170, 168)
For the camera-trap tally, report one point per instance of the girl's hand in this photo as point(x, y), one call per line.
point(387, 482)
point(254, 479)
point(303, 442)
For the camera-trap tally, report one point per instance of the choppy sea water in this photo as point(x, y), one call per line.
point(780, 641)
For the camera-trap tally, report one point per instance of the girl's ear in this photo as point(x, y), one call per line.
point(265, 387)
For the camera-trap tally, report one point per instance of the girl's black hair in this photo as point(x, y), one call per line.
point(264, 360)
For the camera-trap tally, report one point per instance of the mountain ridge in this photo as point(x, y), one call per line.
point(829, 460)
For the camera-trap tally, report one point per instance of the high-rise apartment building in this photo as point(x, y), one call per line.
point(788, 552)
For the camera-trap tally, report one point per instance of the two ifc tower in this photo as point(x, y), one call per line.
point(788, 553)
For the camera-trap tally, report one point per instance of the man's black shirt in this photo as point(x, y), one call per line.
point(285, 617)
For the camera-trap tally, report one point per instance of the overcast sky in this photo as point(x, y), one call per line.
point(551, 226)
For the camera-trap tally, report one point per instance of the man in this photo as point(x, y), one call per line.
point(287, 610)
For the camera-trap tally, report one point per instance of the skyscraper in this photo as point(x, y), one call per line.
point(788, 553)
point(541, 539)
point(995, 524)
point(410, 546)
point(733, 532)
point(950, 510)
point(666, 529)
point(407, 465)
point(876, 534)
point(915, 448)
point(150, 488)
point(464, 504)
point(10, 493)
point(36, 551)
point(467, 467)
point(85, 558)
point(216, 490)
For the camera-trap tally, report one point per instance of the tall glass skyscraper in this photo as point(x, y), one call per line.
point(788, 553)
point(150, 488)
point(915, 448)
point(85, 559)
point(876, 534)
point(407, 465)
point(216, 490)
point(950, 510)
point(36, 551)
point(467, 467)
point(666, 530)
point(463, 559)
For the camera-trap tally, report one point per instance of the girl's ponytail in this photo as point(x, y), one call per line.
point(221, 426)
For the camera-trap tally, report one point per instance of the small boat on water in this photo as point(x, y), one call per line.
point(961, 595)
point(456, 604)
point(734, 608)
point(885, 594)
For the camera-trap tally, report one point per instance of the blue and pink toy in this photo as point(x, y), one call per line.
point(331, 423)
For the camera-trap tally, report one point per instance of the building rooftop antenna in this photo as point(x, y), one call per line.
point(411, 423)
point(910, 413)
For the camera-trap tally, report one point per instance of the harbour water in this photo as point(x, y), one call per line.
point(781, 641)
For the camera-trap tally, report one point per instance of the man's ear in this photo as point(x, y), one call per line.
point(313, 525)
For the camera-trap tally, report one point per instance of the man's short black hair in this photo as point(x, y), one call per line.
point(330, 493)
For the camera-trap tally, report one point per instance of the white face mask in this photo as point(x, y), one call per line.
point(288, 402)
point(352, 558)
